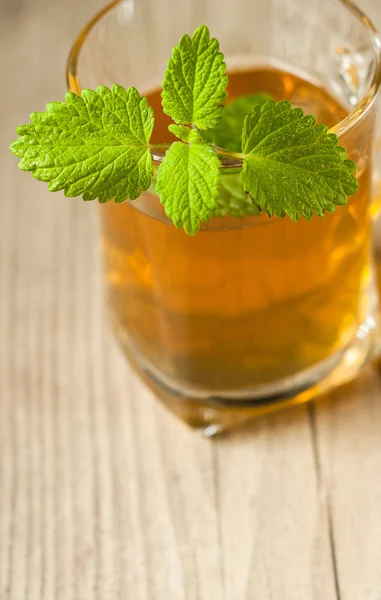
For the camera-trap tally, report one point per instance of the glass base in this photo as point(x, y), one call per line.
point(213, 413)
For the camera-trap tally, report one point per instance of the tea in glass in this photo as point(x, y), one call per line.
point(247, 304)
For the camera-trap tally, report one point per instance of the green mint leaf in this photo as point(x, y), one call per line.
point(96, 145)
point(232, 200)
point(188, 184)
point(295, 167)
point(194, 86)
point(228, 133)
point(186, 134)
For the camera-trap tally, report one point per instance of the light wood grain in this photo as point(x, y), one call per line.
point(103, 494)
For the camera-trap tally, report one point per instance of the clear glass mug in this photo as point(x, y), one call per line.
point(251, 314)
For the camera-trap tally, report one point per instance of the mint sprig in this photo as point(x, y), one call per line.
point(98, 146)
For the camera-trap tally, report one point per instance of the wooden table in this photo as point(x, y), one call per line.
point(103, 494)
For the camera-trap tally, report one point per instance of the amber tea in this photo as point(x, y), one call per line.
point(246, 303)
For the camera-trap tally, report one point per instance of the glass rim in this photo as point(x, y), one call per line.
point(231, 161)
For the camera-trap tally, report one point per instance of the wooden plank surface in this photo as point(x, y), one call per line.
point(103, 494)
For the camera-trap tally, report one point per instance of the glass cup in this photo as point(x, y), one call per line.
point(251, 314)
